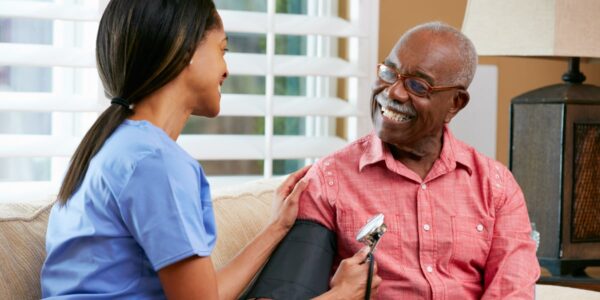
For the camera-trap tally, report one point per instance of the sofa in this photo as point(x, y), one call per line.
point(241, 211)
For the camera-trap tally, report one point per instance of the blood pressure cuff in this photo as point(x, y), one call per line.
point(300, 267)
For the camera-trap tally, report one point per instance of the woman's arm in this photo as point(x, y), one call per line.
point(195, 277)
point(191, 278)
point(235, 276)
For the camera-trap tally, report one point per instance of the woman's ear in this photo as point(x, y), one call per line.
point(459, 101)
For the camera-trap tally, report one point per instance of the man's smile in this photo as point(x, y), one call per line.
point(394, 111)
point(395, 116)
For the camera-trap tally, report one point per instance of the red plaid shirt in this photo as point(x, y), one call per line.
point(461, 233)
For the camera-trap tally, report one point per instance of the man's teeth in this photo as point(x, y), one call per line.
point(396, 116)
point(219, 88)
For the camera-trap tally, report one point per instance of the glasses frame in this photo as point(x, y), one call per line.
point(402, 77)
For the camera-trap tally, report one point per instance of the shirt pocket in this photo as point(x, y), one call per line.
point(471, 242)
point(387, 251)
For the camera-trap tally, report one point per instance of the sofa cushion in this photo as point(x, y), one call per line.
point(22, 250)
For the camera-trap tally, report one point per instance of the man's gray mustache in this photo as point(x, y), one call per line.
point(406, 109)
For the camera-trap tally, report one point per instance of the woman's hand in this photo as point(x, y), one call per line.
point(285, 204)
point(350, 279)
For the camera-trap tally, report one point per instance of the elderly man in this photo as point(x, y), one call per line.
point(457, 222)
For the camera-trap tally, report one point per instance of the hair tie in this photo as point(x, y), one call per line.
point(120, 101)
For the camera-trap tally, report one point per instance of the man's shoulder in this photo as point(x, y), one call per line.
point(481, 163)
point(349, 154)
point(493, 175)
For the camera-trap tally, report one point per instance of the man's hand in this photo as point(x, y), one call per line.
point(285, 204)
point(350, 279)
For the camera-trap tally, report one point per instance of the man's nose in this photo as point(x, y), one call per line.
point(398, 92)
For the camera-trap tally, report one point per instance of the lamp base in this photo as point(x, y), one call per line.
point(555, 158)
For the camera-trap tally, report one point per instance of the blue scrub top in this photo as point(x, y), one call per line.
point(144, 204)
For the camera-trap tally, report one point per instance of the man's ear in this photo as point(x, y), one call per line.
point(459, 101)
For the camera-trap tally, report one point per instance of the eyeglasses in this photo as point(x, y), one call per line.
point(414, 85)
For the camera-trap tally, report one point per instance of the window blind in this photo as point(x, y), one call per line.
point(335, 65)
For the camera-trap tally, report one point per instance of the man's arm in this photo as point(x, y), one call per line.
point(291, 265)
point(315, 204)
point(512, 267)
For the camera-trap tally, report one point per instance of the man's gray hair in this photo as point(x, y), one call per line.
point(468, 57)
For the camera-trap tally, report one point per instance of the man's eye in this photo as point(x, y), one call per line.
point(387, 75)
point(417, 86)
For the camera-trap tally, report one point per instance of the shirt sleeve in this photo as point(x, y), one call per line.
point(314, 203)
point(512, 267)
point(167, 209)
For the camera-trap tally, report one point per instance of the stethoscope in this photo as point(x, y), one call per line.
point(370, 235)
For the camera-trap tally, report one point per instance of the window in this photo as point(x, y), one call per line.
point(300, 72)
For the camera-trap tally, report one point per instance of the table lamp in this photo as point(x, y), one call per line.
point(554, 130)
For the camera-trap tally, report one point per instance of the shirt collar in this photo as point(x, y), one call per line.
point(373, 151)
point(453, 154)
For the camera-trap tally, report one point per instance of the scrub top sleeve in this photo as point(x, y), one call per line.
point(162, 208)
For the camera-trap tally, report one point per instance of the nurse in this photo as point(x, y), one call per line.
point(134, 217)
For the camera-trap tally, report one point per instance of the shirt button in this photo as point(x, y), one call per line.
point(429, 269)
point(329, 173)
point(327, 163)
point(330, 183)
point(423, 186)
point(426, 227)
point(479, 227)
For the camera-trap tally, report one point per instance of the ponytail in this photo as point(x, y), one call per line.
point(91, 143)
point(141, 46)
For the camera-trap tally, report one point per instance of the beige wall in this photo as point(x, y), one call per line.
point(515, 75)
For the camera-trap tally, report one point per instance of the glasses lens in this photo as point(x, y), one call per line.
point(387, 74)
point(416, 86)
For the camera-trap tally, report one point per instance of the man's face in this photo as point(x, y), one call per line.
point(404, 119)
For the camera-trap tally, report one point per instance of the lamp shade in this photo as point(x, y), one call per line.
point(534, 27)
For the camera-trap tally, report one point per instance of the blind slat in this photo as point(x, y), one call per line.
point(231, 105)
point(292, 24)
point(292, 65)
point(49, 102)
point(205, 147)
point(235, 21)
point(238, 63)
point(297, 106)
point(17, 145)
point(48, 11)
point(15, 54)
point(29, 191)
point(218, 147)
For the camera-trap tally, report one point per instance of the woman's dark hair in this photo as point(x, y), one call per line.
point(141, 46)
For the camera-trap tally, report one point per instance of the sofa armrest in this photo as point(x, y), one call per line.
point(553, 292)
